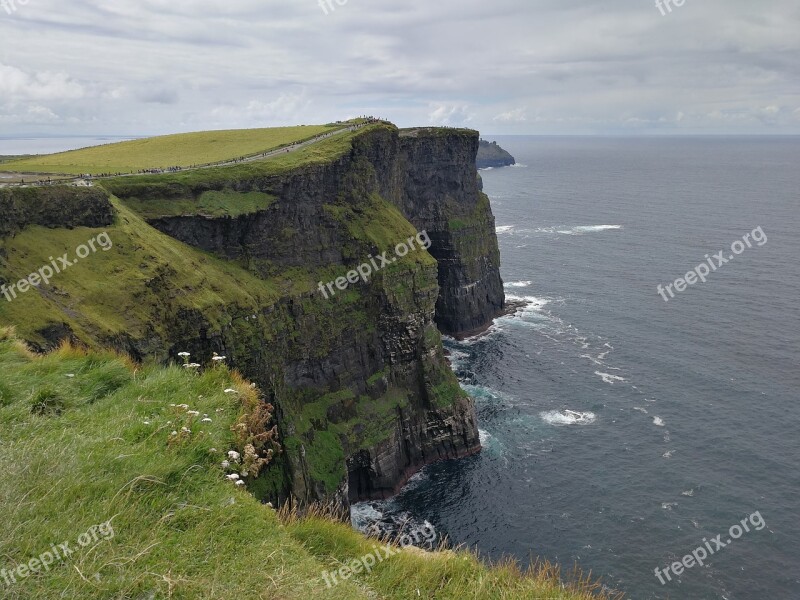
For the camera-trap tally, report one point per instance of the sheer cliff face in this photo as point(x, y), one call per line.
point(363, 392)
point(441, 195)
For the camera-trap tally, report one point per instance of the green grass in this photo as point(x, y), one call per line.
point(106, 453)
point(145, 278)
point(212, 203)
point(184, 150)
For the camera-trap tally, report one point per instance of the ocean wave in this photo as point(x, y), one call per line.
point(577, 229)
point(658, 422)
point(608, 378)
point(567, 417)
point(518, 166)
point(517, 284)
point(484, 436)
point(596, 228)
point(482, 392)
point(504, 228)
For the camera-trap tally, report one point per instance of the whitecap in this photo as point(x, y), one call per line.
point(658, 421)
point(595, 228)
point(608, 378)
point(363, 514)
point(504, 228)
point(667, 454)
point(567, 417)
point(577, 230)
point(689, 493)
point(640, 409)
point(518, 166)
point(484, 436)
point(517, 284)
point(668, 505)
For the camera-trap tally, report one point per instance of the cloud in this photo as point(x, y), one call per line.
point(553, 66)
point(20, 85)
point(442, 113)
point(517, 115)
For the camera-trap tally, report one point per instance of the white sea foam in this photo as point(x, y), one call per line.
point(668, 454)
point(608, 378)
point(484, 436)
point(640, 409)
point(567, 417)
point(504, 228)
point(689, 493)
point(518, 166)
point(596, 228)
point(658, 421)
point(517, 284)
point(668, 505)
point(577, 229)
point(364, 513)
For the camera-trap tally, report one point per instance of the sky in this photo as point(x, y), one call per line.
point(572, 67)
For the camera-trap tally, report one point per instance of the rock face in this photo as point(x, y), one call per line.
point(363, 392)
point(58, 206)
point(442, 195)
point(492, 155)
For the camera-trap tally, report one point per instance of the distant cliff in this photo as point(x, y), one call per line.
point(492, 155)
point(363, 393)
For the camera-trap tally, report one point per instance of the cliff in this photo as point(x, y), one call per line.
point(228, 260)
point(492, 155)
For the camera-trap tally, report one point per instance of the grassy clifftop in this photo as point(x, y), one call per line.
point(86, 439)
point(181, 150)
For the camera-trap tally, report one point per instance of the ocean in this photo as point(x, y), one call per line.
point(623, 432)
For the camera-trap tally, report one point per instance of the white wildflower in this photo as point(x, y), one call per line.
point(174, 433)
point(233, 476)
point(230, 391)
point(183, 354)
point(206, 420)
point(70, 375)
point(194, 413)
point(239, 482)
point(226, 464)
point(234, 456)
point(219, 358)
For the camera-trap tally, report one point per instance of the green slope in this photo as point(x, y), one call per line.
point(86, 439)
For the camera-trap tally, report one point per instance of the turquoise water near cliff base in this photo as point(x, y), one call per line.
point(621, 430)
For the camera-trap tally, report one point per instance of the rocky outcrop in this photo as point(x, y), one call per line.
point(56, 206)
point(441, 195)
point(492, 155)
